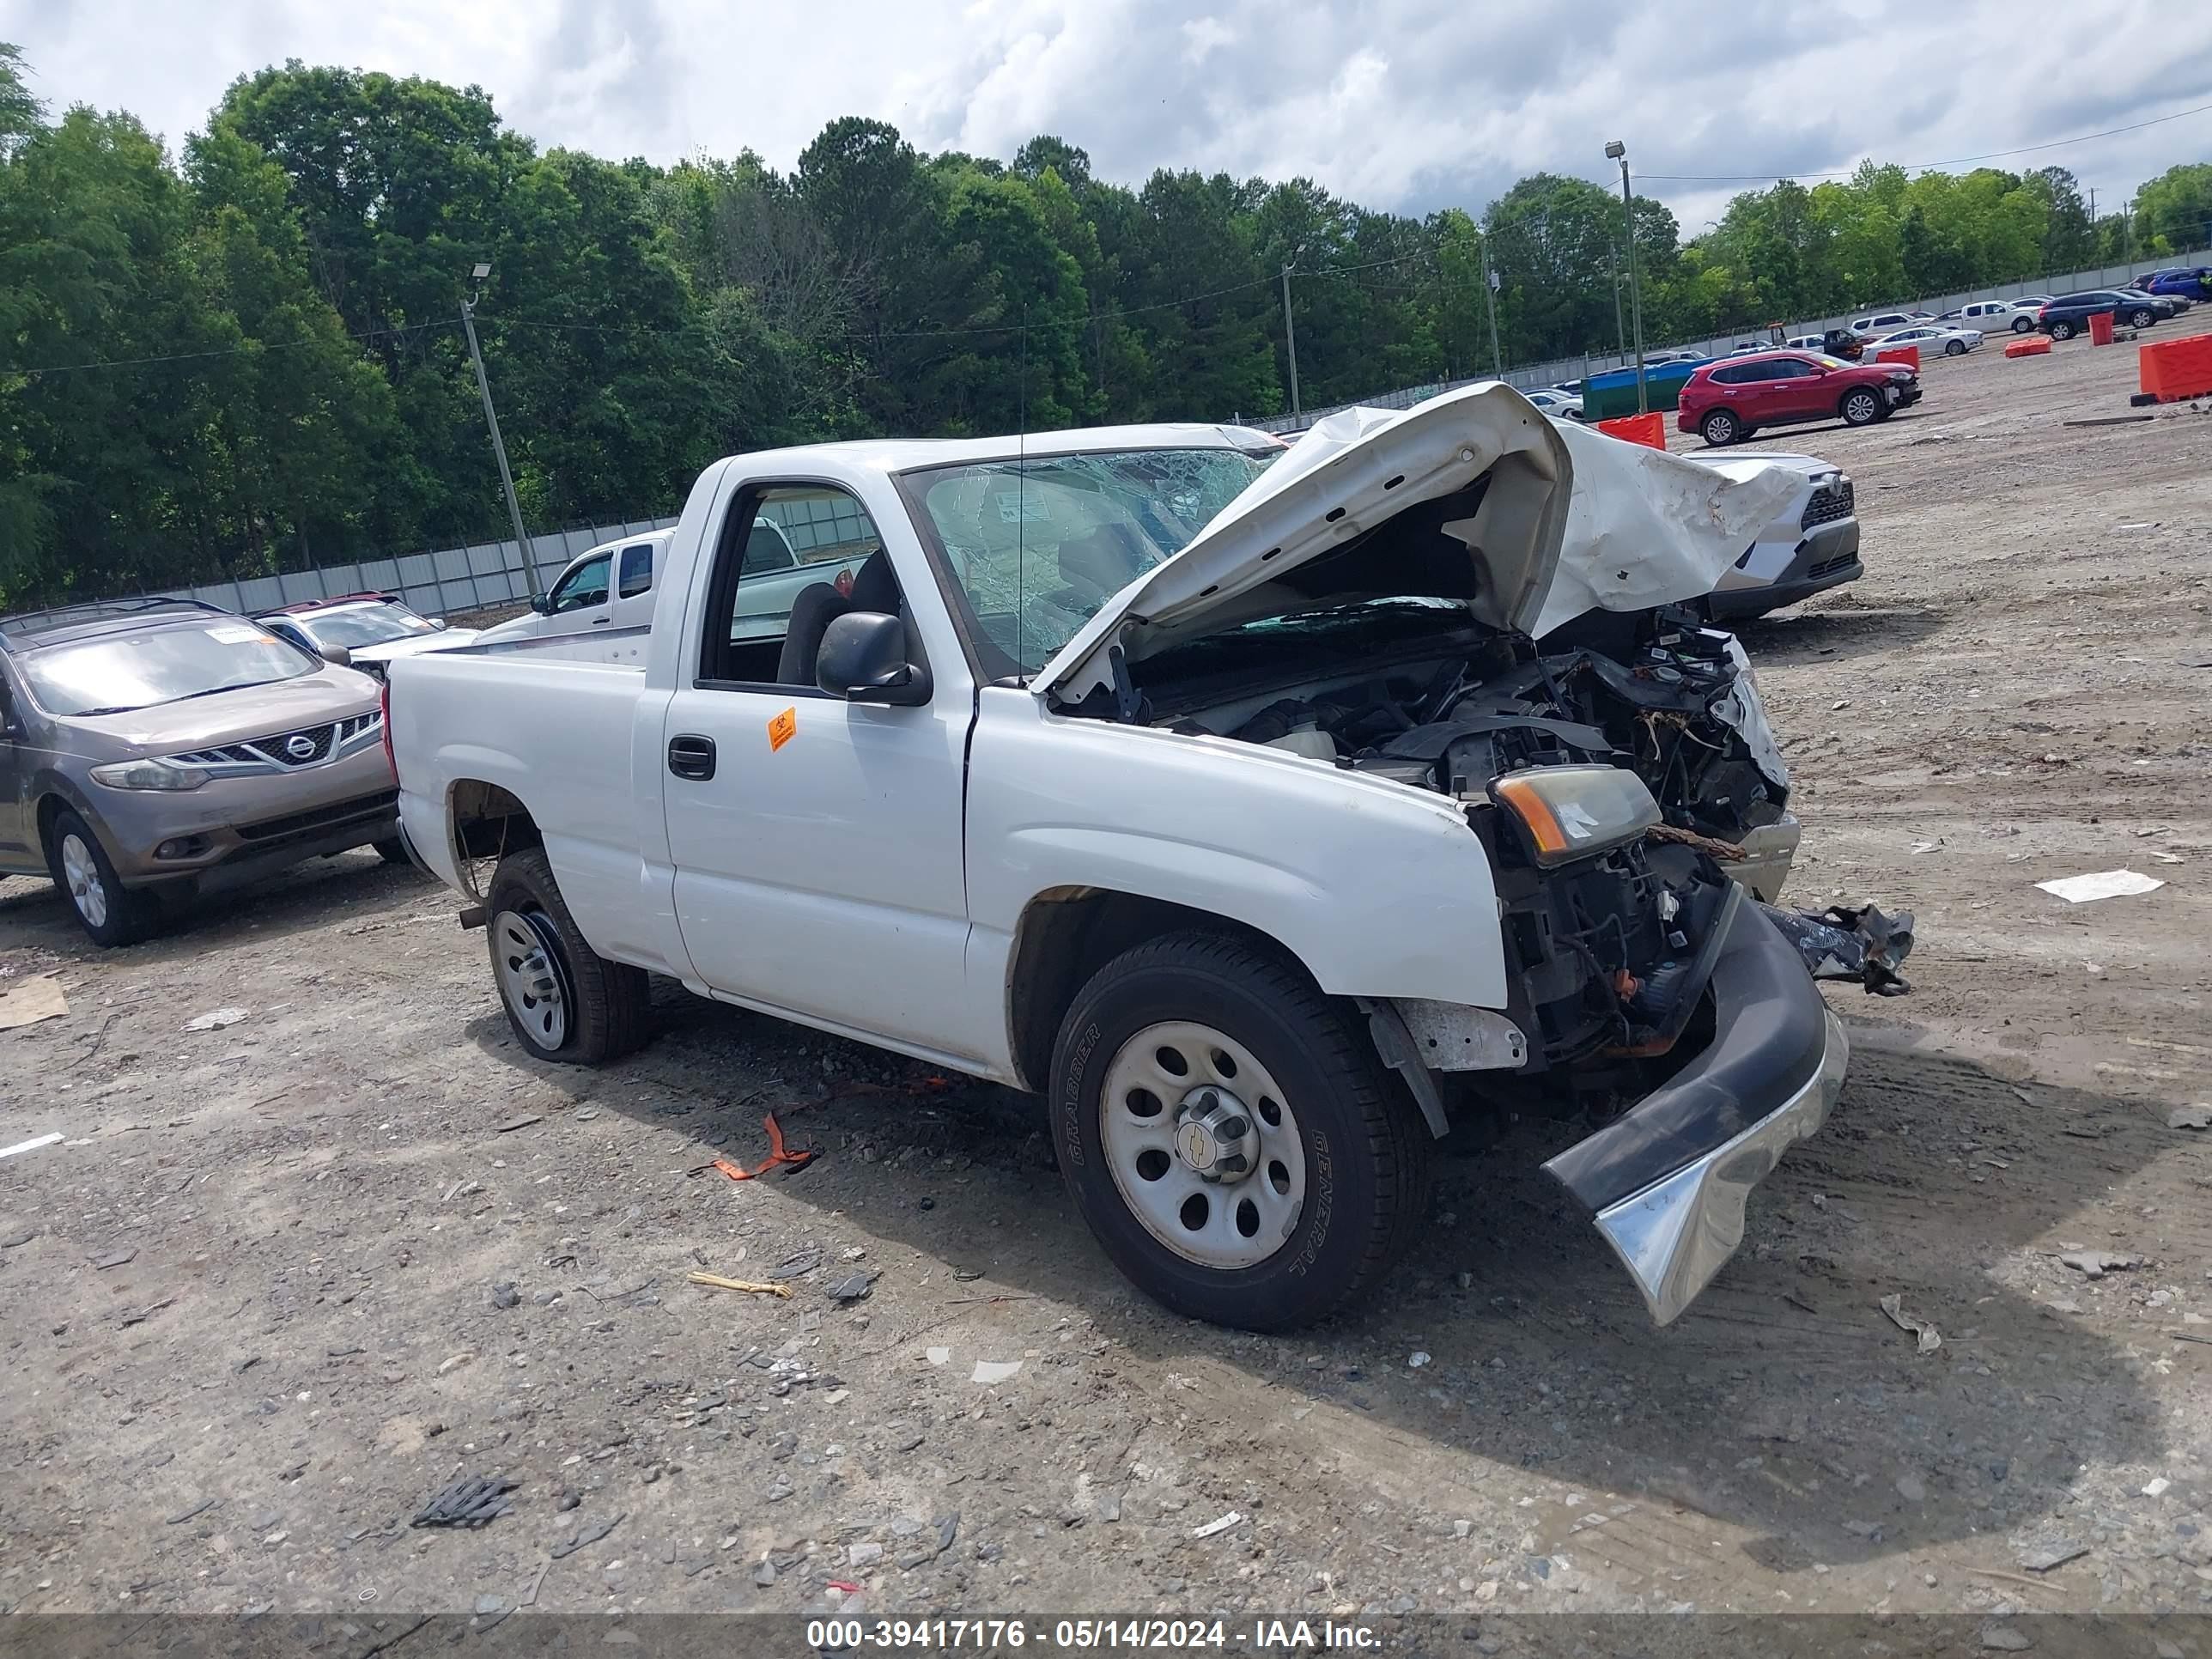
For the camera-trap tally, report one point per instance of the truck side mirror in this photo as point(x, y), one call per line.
point(863, 659)
point(541, 604)
point(336, 655)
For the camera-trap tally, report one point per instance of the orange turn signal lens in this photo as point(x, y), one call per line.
point(1571, 811)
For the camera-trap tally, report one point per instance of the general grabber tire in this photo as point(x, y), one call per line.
point(565, 1001)
point(1230, 1136)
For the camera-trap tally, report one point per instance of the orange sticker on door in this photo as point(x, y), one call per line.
point(782, 729)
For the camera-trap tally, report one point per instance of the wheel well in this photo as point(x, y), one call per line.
point(1068, 934)
point(51, 807)
point(489, 822)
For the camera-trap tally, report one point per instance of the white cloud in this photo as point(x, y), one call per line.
point(1406, 104)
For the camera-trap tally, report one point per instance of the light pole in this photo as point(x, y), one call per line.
point(1490, 297)
point(1291, 339)
point(476, 274)
point(1618, 152)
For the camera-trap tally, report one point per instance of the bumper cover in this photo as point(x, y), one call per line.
point(1827, 557)
point(1668, 1179)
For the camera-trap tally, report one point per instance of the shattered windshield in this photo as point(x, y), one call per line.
point(1037, 546)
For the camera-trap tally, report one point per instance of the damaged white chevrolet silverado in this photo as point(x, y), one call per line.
point(1263, 810)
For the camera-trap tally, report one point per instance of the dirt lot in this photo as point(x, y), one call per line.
point(309, 1214)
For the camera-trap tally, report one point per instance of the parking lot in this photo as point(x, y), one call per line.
point(256, 1304)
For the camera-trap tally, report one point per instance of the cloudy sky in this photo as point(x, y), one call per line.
point(1406, 104)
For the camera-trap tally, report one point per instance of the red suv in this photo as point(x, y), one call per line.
point(1732, 398)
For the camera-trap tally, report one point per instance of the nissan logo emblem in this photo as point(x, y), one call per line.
point(300, 746)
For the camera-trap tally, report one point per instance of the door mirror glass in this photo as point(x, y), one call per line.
point(863, 659)
point(437, 622)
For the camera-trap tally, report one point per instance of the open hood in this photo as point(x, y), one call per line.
point(1568, 520)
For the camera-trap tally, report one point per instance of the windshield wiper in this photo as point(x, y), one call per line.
point(212, 692)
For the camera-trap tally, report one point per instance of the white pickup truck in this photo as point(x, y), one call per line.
point(1263, 809)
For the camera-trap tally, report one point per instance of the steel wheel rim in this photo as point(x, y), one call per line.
point(80, 875)
point(530, 977)
point(1239, 1218)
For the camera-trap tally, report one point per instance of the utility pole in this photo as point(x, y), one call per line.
point(1612, 272)
point(498, 444)
point(1290, 338)
point(1618, 152)
point(1490, 297)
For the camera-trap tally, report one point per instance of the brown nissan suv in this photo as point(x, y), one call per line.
point(153, 749)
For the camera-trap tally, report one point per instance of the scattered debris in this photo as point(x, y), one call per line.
point(30, 1145)
point(1219, 1524)
point(2197, 1116)
point(31, 1000)
point(852, 1287)
point(183, 1515)
point(2003, 1638)
point(523, 1122)
point(1842, 943)
point(796, 1267)
point(937, 1355)
point(1923, 1329)
point(112, 1258)
point(1417, 1358)
point(453, 1362)
point(504, 1295)
point(2104, 885)
point(474, 1500)
point(996, 1370)
point(2054, 1555)
point(716, 1282)
point(2157, 1486)
point(2095, 1264)
point(215, 1019)
point(590, 1535)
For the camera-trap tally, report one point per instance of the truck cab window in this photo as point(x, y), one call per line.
point(636, 570)
point(792, 558)
point(585, 585)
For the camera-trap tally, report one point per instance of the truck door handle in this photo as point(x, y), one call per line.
point(601, 622)
point(690, 756)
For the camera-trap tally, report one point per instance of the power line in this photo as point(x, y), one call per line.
point(228, 352)
point(1918, 167)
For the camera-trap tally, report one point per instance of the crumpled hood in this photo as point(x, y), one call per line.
point(1572, 520)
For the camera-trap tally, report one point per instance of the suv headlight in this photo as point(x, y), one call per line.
point(149, 775)
point(1571, 811)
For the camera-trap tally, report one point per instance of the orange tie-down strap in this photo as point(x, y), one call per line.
point(779, 1155)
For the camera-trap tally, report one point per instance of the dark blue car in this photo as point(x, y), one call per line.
point(2183, 281)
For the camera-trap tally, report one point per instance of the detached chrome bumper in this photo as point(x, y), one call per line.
point(1668, 1179)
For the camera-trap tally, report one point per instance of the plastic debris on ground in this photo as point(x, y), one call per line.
point(2104, 885)
point(30, 1145)
point(1220, 1524)
point(1924, 1330)
point(996, 1370)
point(474, 1500)
point(215, 1019)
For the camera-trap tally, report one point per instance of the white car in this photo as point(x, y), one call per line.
point(1232, 806)
point(1557, 403)
point(1931, 338)
point(1994, 316)
point(365, 631)
point(1886, 322)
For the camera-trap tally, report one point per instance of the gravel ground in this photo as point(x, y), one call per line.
point(286, 1278)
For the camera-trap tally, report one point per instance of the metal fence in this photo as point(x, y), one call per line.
point(1529, 376)
point(437, 583)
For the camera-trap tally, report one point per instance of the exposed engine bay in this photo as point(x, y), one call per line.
point(1614, 946)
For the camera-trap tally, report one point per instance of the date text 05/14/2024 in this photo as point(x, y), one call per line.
point(1077, 1635)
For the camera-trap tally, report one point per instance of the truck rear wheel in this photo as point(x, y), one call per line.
point(1230, 1137)
point(566, 1002)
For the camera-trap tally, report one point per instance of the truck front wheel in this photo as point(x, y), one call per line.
point(565, 1001)
point(1230, 1137)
